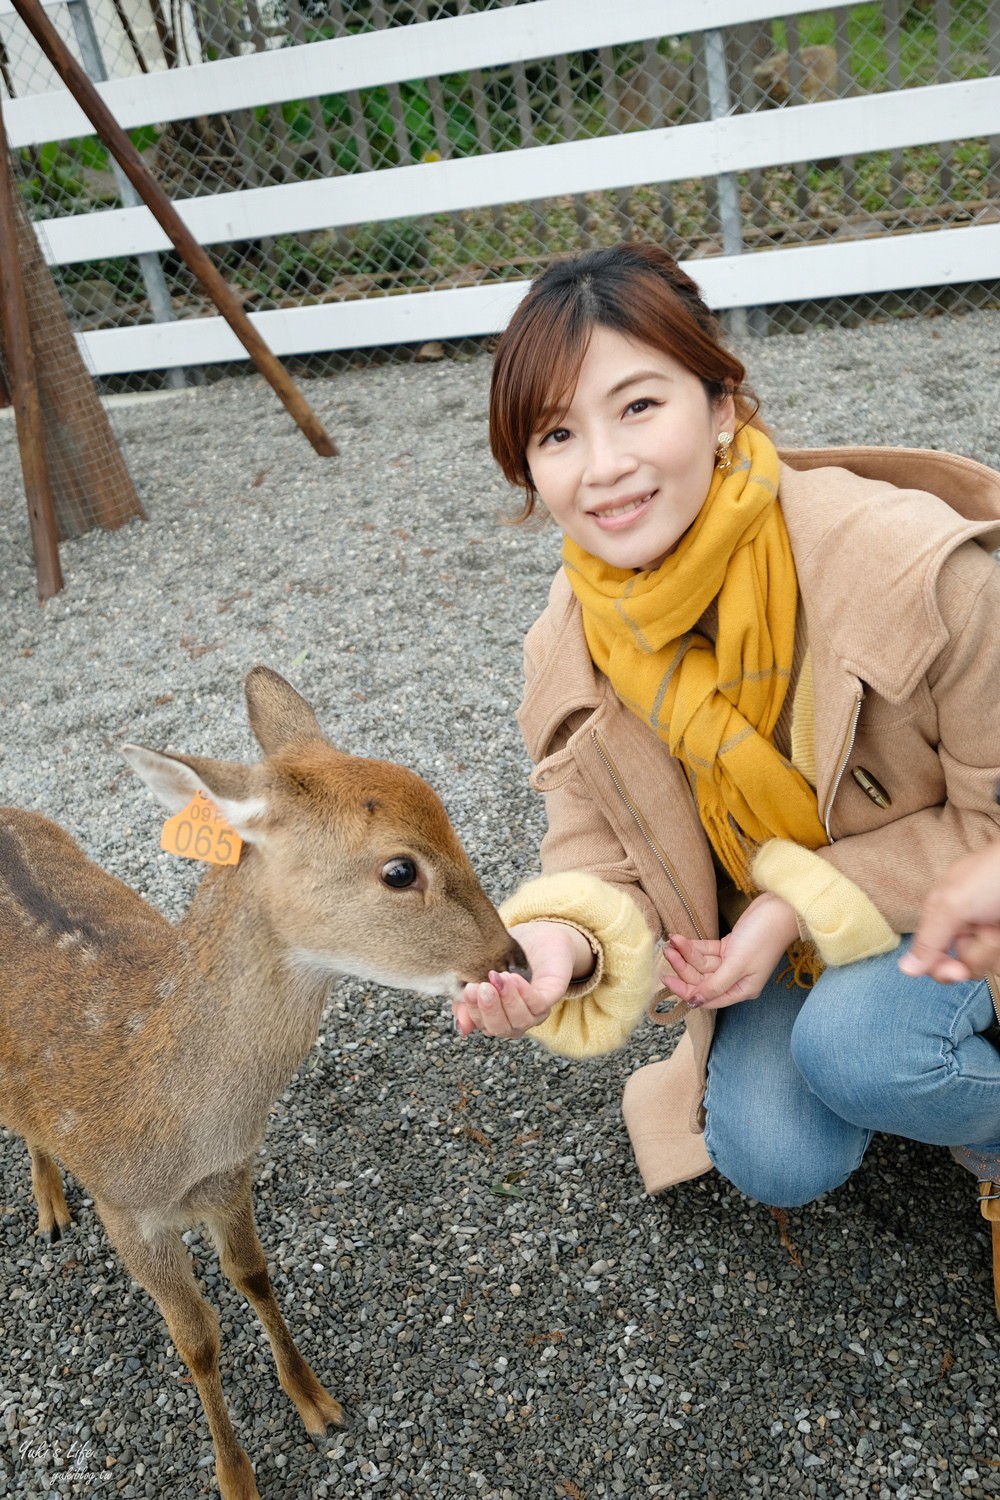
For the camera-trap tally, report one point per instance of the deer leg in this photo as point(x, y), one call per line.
point(242, 1261)
point(46, 1184)
point(160, 1263)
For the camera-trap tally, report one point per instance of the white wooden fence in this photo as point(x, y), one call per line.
point(545, 28)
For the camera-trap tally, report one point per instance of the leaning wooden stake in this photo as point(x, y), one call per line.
point(195, 258)
point(24, 391)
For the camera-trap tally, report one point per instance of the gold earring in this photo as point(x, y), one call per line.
point(723, 452)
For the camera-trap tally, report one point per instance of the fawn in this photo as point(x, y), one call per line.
point(144, 1056)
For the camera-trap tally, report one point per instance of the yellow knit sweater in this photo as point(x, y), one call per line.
point(833, 912)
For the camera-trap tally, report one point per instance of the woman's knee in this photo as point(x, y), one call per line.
point(799, 1173)
point(859, 1050)
point(827, 1051)
point(848, 1061)
point(907, 1062)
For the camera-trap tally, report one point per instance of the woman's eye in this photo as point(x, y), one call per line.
point(557, 435)
point(636, 408)
point(399, 873)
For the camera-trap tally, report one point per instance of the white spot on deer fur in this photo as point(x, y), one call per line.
point(135, 1023)
point(93, 1018)
point(67, 1121)
point(320, 963)
point(165, 987)
point(247, 811)
point(85, 950)
point(156, 1222)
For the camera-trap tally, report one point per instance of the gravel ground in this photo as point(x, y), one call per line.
point(457, 1233)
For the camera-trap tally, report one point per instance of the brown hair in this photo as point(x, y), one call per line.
point(637, 290)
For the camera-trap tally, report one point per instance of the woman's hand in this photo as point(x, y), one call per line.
point(711, 973)
point(958, 937)
point(509, 1005)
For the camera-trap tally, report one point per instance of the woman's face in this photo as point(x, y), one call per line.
point(626, 469)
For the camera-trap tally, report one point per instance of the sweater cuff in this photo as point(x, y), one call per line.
point(597, 1014)
point(833, 912)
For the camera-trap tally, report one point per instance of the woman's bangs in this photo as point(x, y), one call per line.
point(548, 389)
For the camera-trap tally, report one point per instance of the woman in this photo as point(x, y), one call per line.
point(762, 702)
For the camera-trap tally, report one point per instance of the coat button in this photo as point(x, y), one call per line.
point(872, 788)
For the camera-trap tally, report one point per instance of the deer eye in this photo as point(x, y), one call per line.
point(399, 873)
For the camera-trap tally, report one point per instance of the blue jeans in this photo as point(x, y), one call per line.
point(800, 1080)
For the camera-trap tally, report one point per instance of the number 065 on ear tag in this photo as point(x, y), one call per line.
point(199, 831)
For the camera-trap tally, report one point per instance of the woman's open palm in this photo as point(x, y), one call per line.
point(714, 972)
point(508, 1005)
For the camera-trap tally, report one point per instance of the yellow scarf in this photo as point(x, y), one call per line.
point(715, 706)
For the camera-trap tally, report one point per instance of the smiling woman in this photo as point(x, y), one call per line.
point(539, 358)
point(627, 468)
point(740, 646)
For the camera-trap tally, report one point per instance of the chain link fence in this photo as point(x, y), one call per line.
point(772, 65)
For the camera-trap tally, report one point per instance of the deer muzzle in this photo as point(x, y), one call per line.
point(517, 962)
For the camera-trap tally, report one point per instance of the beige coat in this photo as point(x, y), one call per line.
point(901, 600)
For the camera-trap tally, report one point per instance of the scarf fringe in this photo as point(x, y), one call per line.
point(804, 966)
point(730, 847)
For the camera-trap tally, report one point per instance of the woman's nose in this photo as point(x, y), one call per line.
point(607, 461)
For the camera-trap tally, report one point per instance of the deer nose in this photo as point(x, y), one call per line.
point(517, 962)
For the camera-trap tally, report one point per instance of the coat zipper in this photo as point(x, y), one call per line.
point(843, 765)
point(640, 823)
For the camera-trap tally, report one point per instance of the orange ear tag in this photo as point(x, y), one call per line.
point(199, 831)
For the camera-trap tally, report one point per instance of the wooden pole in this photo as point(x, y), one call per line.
point(24, 390)
point(191, 252)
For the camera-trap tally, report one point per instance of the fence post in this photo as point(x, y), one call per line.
point(720, 104)
point(149, 263)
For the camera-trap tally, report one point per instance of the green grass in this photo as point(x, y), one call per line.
point(868, 56)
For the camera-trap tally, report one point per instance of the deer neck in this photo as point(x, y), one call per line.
point(263, 1012)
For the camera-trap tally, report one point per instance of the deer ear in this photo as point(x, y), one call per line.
point(175, 779)
point(278, 714)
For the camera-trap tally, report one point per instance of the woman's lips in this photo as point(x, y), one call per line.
point(622, 514)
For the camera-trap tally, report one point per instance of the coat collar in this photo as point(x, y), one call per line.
point(871, 529)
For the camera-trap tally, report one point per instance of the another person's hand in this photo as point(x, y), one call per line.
point(958, 936)
point(712, 973)
point(509, 1005)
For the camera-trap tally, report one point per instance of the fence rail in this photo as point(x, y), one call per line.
point(490, 140)
point(428, 49)
point(864, 268)
point(734, 143)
